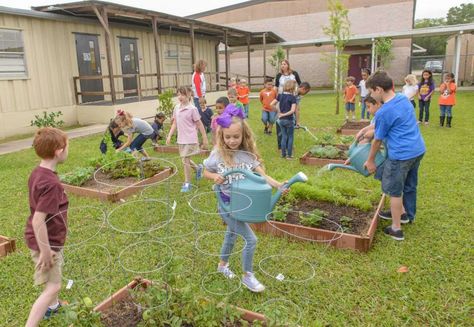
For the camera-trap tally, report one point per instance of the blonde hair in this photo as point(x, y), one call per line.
point(200, 65)
point(248, 142)
point(123, 119)
point(243, 80)
point(232, 92)
point(411, 79)
point(289, 86)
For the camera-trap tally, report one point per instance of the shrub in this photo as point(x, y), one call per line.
point(48, 120)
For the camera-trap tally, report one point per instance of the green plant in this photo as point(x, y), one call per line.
point(328, 138)
point(166, 104)
point(325, 152)
point(78, 176)
point(281, 210)
point(383, 50)
point(347, 139)
point(48, 120)
point(80, 313)
point(346, 223)
point(312, 218)
point(276, 58)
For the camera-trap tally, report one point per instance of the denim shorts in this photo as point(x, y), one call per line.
point(350, 106)
point(393, 174)
point(269, 117)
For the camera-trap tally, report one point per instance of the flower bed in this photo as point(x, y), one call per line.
point(317, 156)
point(7, 245)
point(352, 127)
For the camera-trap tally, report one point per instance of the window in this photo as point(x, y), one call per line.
point(177, 58)
point(12, 54)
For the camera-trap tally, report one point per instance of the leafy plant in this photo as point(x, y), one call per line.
point(328, 138)
point(280, 212)
point(312, 218)
point(276, 58)
point(346, 223)
point(325, 152)
point(80, 314)
point(78, 176)
point(48, 120)
point(347, 139)
point(383, 50)
point(166, 104)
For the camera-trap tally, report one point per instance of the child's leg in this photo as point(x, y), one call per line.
point(442, 109)
point(421, 104)
point(47, 298)
point(279, 136)
point(187, 169)
point(265, 120)
point(291, 132)
point(284, 137)
point(352, 106)
point(362, 109)
point(246, 109)
point(409, 190)
point(427, 110)
point(396, 208)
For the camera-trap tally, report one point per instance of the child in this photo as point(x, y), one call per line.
point(447, 99)
point(363, 93)
point(157, 126)
point(396, 126)
point(187, 120)
point(243, 92)
point(267, 95)
point(287, 103)
point(232, 95)
point(235, 149)
point(115, 133)
point(410, 89)
point(425, 90)
point(366, 134)
point(131, 125)
point(233, 83)
point(301, 91)
point(45, 236)
point(221, 104)
point(350, 92)
point(206, 114)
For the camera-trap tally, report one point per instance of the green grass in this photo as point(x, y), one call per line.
point(349, 288)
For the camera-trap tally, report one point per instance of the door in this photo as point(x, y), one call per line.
point(129, 58)
point(356, 63)
point(88, 61)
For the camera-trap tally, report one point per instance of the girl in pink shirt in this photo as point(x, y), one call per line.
point(187, 120)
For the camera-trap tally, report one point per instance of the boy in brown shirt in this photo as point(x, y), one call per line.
point(46, 227)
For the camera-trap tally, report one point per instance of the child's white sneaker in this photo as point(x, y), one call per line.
point(225, 270)
point(252, 283)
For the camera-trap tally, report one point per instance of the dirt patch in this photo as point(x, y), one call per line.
point(355, 124)
point(358, 225)
point(112, 184)
point(124, 313)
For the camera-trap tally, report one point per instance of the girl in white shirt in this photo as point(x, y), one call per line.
point(410, 89)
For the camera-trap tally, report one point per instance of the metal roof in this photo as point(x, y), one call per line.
point(142, 17)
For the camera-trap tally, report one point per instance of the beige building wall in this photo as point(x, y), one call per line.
point(50, 55)
point(466, 65)
point(304, 19)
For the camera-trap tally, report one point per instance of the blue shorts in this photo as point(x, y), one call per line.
point(269, 117)
point(350, 106)
point(137, 143)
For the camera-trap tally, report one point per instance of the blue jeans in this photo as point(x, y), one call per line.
point(137, 143)
point(424, 109)
point(235, 227)
point(400, 178)
point(196, 102)
point(246, 110)
point(287, 127)
point(268, 117)
point(445, 110)
point(363, 109)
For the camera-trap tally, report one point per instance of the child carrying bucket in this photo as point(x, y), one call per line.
point(235, 149)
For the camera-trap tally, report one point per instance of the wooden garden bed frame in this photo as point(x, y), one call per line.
point(307, 159)
point(7, 245)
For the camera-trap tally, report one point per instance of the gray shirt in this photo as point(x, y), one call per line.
point(139, 126)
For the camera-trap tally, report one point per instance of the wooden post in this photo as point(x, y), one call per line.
point(157, 53)
point(248, 62)
point(226, 61)
point(75, 90)
point(139, 88)
point(264, 55)
point(287, 53)
point(218, 75)
point(193, 56)
point(176, 80)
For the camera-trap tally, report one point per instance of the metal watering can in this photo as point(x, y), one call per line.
point(251, 198)
point(358, 154)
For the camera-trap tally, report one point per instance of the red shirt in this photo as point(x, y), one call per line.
point(46, 194)
point(243, 94)
point(349, 93)
point(266, 97)
point(448, 94)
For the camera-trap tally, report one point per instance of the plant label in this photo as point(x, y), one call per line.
point(280, 277)
point(69, 284)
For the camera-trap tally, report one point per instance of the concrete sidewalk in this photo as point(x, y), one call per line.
point(15, 146)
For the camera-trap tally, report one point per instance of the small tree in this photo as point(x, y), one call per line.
point(166, 104)
point(383, 51)
point(277, 57)
point(48, 120)
point(339, 31)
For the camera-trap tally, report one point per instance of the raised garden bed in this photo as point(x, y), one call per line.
point(352, 127)
point(115, 190)
point(7, 245)
point(359, 226)
point(314, 158)
point(175, 149)
point(121, 310)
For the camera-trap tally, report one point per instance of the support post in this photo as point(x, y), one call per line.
point(373, 61)
point(264, 55)
point(156, 38)
point(191, 32)
point(226, 61)
point(457, 56)
point(287, 53)
point(218, 74)
point(248, 62)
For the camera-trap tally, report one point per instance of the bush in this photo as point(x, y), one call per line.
point(48, 120)
point(166, 104)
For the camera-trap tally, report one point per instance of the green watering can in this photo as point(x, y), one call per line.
point(358, 154)
point(251, 199)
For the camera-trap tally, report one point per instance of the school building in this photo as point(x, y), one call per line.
point(89, 58)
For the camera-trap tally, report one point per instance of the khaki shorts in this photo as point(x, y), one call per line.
point(53, 275)
point(188, 150)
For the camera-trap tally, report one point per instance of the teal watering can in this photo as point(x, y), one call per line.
point(251, 199)
point(358, 154)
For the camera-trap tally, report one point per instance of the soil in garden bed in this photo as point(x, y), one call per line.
point(355, 124)
point(360, 219)
point(112, 184)
point(342, 155)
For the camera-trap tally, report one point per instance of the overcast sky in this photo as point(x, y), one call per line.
point(425, 8)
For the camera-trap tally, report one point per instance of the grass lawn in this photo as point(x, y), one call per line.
point(348, 289)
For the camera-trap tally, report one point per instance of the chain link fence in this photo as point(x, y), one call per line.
point(440, 64)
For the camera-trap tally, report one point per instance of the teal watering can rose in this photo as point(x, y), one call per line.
point(358, 155)
point(250, 199)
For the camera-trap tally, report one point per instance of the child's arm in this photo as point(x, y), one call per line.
point(201, 128)
point(217, 178)
point(274, 183)
point(171, 132)
point(45, 261)
point(126, 144)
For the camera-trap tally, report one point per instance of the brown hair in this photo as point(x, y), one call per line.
point(232, 91)
point(350, 78)
point(289, 68)
point(47, 140)
point(369, 99)
point(268, 80)
point(185, 90)
point(248, 142)
point(289, 86)
point(200, 65)
point(379, 79)
point(123, 119)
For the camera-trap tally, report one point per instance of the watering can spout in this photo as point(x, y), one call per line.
point(298, 178)
point(334, 166)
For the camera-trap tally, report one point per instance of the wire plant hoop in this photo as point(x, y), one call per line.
point(206, 277)
point(159, 267)
point(218, 232)
point(80, 264)
point(285, 259)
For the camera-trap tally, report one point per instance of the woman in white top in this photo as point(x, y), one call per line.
point(410, 89)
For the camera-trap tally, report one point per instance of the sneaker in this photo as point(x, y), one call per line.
point(427, 123)
point(289, 158)
point(143, 159)
point(396, 235)
point(199, 170)
point(252, 283)
point(51, 312)
point(418, 122)
point(388, 216)
point(225, 270)
point(185, 188)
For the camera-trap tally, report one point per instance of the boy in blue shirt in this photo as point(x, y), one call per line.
point(395, 125)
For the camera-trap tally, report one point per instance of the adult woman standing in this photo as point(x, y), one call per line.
point(286, 74)
point(199, 81)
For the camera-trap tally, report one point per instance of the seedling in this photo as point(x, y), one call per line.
point(346, 223)
point(280, 212)
point(312, 218)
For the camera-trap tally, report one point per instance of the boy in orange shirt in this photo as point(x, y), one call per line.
point(243, 95)
point(447, 99)
point(350, 93)
point(267, 95)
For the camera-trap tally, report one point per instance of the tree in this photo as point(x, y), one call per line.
point(464, 14)
point(383, 51)
point(434, 45)
point(277, 57)
point(339, 32)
